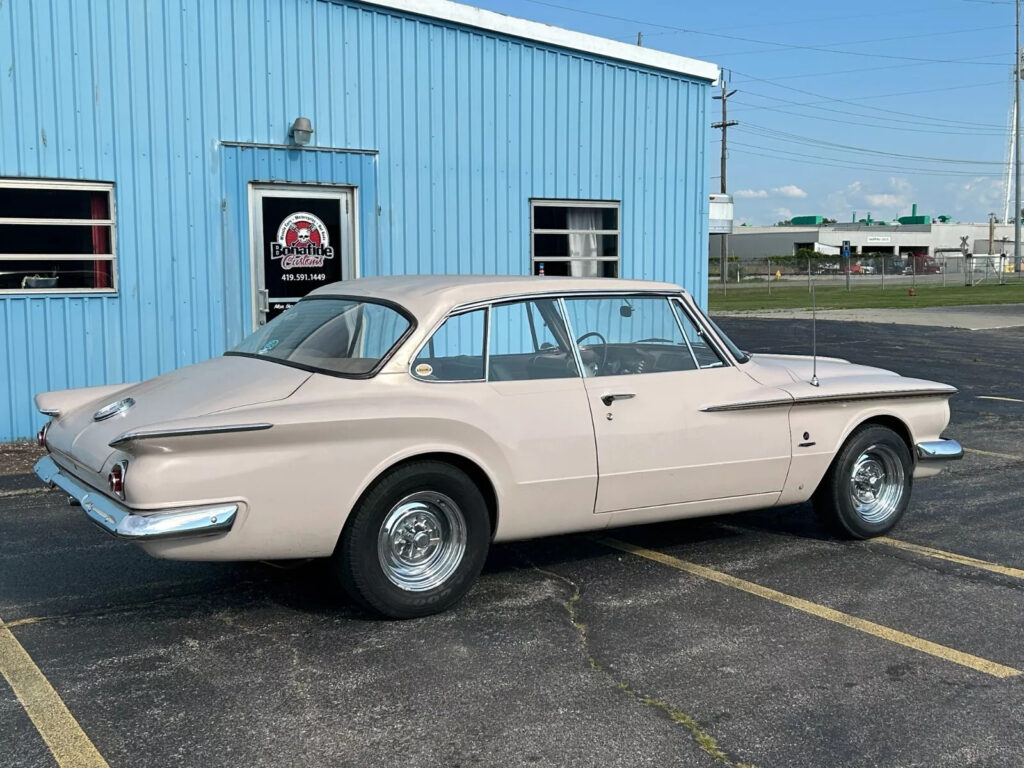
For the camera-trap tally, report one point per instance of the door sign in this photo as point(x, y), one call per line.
point(303, 241)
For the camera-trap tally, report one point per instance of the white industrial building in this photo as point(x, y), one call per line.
point(868, 239)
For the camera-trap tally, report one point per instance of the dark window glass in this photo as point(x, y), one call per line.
point(456, 350)
point(35, 248)
point(527, 341)
point(334, 335)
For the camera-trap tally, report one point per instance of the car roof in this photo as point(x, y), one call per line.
point(426, 294)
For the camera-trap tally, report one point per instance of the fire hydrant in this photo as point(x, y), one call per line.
point(911, 292)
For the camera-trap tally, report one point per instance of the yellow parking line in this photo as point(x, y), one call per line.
point(952, 557)
point(821, 611)
point(1004, 399)
point(70, 747)
point(1011, 456)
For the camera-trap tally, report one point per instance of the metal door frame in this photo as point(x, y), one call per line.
point(296, 189)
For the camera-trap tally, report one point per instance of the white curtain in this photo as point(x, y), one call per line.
point(583, 246)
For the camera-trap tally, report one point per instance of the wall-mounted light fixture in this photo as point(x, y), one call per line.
point(301, 131)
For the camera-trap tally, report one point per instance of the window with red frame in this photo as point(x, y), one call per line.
point(56, 236)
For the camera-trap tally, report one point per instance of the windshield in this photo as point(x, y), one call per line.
point(349, 337)
point(739, 354)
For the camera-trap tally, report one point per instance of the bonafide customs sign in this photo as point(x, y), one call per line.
point(301, 237)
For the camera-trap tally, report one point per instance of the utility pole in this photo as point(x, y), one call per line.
point(640, 38)
point(1016, 144)
point(724, 126)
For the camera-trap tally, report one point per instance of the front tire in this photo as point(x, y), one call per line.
point(416, 541)
point(867, 488)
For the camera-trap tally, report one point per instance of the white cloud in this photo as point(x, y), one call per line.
point(886, 200)
point(783, 213)
point(750, 193)
point(789, 190)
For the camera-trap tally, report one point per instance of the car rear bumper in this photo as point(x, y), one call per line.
point(935, 451)
point(126, 523)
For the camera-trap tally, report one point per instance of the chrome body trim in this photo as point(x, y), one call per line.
point(839, 398)
point(112, 409)
point(143, 434)
point(122, 522)
point(53, 412)
point(942, 449)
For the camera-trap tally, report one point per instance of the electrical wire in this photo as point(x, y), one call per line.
point(791, 46)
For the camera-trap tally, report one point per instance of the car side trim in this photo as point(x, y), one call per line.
point(151, 434)
point(837, 398)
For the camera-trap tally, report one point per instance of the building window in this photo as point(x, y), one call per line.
point(56, 236)
point(574, 237)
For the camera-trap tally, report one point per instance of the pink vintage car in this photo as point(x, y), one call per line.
point(399, 425)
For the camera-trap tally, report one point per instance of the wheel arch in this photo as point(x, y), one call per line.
point(894, 423)
point(470, 467)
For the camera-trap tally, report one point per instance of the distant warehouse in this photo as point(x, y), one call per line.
point(175, 173)
point(912, 234)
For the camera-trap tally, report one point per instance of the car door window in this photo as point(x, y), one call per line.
point(628, 335)
point(456, 350)
point(705, 355)
point(528, 340)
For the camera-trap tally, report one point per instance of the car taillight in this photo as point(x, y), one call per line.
point(41, 435)
point(115, 480)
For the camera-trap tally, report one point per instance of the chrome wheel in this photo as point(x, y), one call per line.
point(877, 483)
point(422, 541)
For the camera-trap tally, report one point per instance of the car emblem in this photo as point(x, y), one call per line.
point(113, 409)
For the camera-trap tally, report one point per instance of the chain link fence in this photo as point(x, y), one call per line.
point(885, 272)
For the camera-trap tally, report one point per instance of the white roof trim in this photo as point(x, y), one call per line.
point(469, 16)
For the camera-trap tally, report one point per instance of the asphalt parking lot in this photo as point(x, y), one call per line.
point(751, 639)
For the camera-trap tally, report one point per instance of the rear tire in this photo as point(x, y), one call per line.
point(416, 542)
point(867, 488)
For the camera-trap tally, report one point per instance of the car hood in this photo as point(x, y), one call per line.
point(216, 385)
point(836, 379)
point(780, 370)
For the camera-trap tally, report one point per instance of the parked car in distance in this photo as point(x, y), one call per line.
point(922, 264)
point(399, 425)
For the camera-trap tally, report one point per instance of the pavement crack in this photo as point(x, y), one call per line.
point(708, 743)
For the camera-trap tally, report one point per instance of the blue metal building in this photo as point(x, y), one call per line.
point(160, 197)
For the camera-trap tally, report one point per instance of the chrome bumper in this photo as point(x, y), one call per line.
point(939, 450)
point(122, 522)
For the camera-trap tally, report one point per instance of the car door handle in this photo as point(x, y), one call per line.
point(609, 399)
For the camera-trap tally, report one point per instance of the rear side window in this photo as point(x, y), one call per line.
point(528, 341)
point(456, 350)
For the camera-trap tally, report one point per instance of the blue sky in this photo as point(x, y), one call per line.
point(865, 107)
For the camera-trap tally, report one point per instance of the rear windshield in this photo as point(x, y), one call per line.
point(348, 337)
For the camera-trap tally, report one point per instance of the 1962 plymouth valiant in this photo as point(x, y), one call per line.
point(400, 425)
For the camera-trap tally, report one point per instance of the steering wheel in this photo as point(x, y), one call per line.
point(604, 347)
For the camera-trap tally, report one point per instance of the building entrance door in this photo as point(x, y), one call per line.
point(302, 238)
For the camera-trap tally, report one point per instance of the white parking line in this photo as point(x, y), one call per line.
point(22, 492)
point(1003, 399)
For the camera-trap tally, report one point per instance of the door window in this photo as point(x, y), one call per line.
point(456, 350)
point(703, 353)
point(528, 340)
point(629, 335)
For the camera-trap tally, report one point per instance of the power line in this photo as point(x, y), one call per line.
point(862, 124)
point(829, 46)
point(868, 168)
point(798, 139)
point(723, 36)
point(857, 69)
point(851, 99)
point(839, 162)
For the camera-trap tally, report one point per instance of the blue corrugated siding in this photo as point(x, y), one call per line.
point(469, 126)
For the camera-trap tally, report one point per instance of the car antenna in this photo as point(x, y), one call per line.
point(814, 339)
